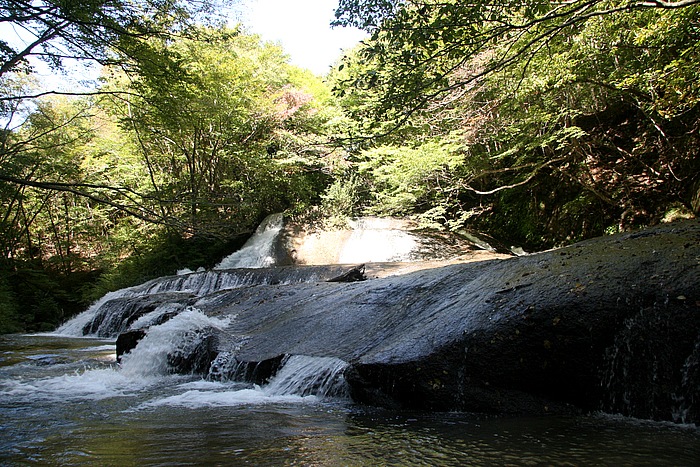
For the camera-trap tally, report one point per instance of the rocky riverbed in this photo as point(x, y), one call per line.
point(610, 324)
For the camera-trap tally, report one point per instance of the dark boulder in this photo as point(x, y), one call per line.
point(195, 352)
point(126, 341)
point(227, 368)
point(352, 275)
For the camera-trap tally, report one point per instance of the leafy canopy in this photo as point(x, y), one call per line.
point(570, 119)
point(104, 31)
point(422, 51)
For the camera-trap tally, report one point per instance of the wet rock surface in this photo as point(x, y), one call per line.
point(117, 315)
point(126, 341)
point(608, 324)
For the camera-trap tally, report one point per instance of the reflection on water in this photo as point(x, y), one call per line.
point(64, 401)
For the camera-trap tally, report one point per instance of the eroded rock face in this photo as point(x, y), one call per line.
point(117, 315)
point(611, 323)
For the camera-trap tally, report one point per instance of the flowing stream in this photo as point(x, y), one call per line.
point(64, 400)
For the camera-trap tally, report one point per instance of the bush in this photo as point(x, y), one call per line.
point(9, 318)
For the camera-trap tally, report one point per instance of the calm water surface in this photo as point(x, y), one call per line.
point(66, 402)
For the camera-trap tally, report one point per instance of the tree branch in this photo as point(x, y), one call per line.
point(667, 5)
point(514, 185)
point(138, 211)
point(66, 93)
point(45, 37)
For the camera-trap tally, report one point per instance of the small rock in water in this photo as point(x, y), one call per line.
point(353, 275)
point(127, 341)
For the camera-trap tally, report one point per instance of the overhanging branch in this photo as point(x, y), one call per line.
point(527, 180)
point(667, 5)
point(65, 93)
point(80, 189)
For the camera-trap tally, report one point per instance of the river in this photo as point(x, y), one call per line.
point(65, 401)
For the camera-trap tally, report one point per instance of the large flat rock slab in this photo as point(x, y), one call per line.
point(608, 324)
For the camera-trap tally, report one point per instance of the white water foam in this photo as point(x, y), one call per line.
point(150, 356)
point(303, 375)
point(196, 398)
point(146, 365)
point(100, 348)
point(258, 251)
point(301, 380)
point(185, 271)
point(148, 319)
point(74, 327)
point(91, 384)
point(197, 284)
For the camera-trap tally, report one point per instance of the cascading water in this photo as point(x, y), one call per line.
point(258, 252)
point(178, 334)
point(145, 304)
point(66, 401)
point(302, 375)
point(377, 240)
point(640, 356)
point(150, 357)
point(299, 375)
point(371, 240)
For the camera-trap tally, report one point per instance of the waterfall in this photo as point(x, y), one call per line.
point(147, 303)
point(365, 240)
point(299, 375)
point(259, 250)
point(75, 326)
point(153, 352)
point(640, 356)
point(622, 336)
point(689, 394)
point(303, 375)
point(370, 240)
point(293, 377)
point(301, 379)
point(181, 338)
point(377, 240)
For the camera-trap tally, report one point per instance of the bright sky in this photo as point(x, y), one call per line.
point(303, 29)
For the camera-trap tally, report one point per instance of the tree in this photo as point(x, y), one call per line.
point(51, 205)
point(421, 51)
point(45, 232)
point(575, 119)
point(222, 140)
point(107, 32)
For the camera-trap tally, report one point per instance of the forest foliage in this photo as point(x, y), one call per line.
point(565, 120)
point(540, 124)
point(193, 134)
